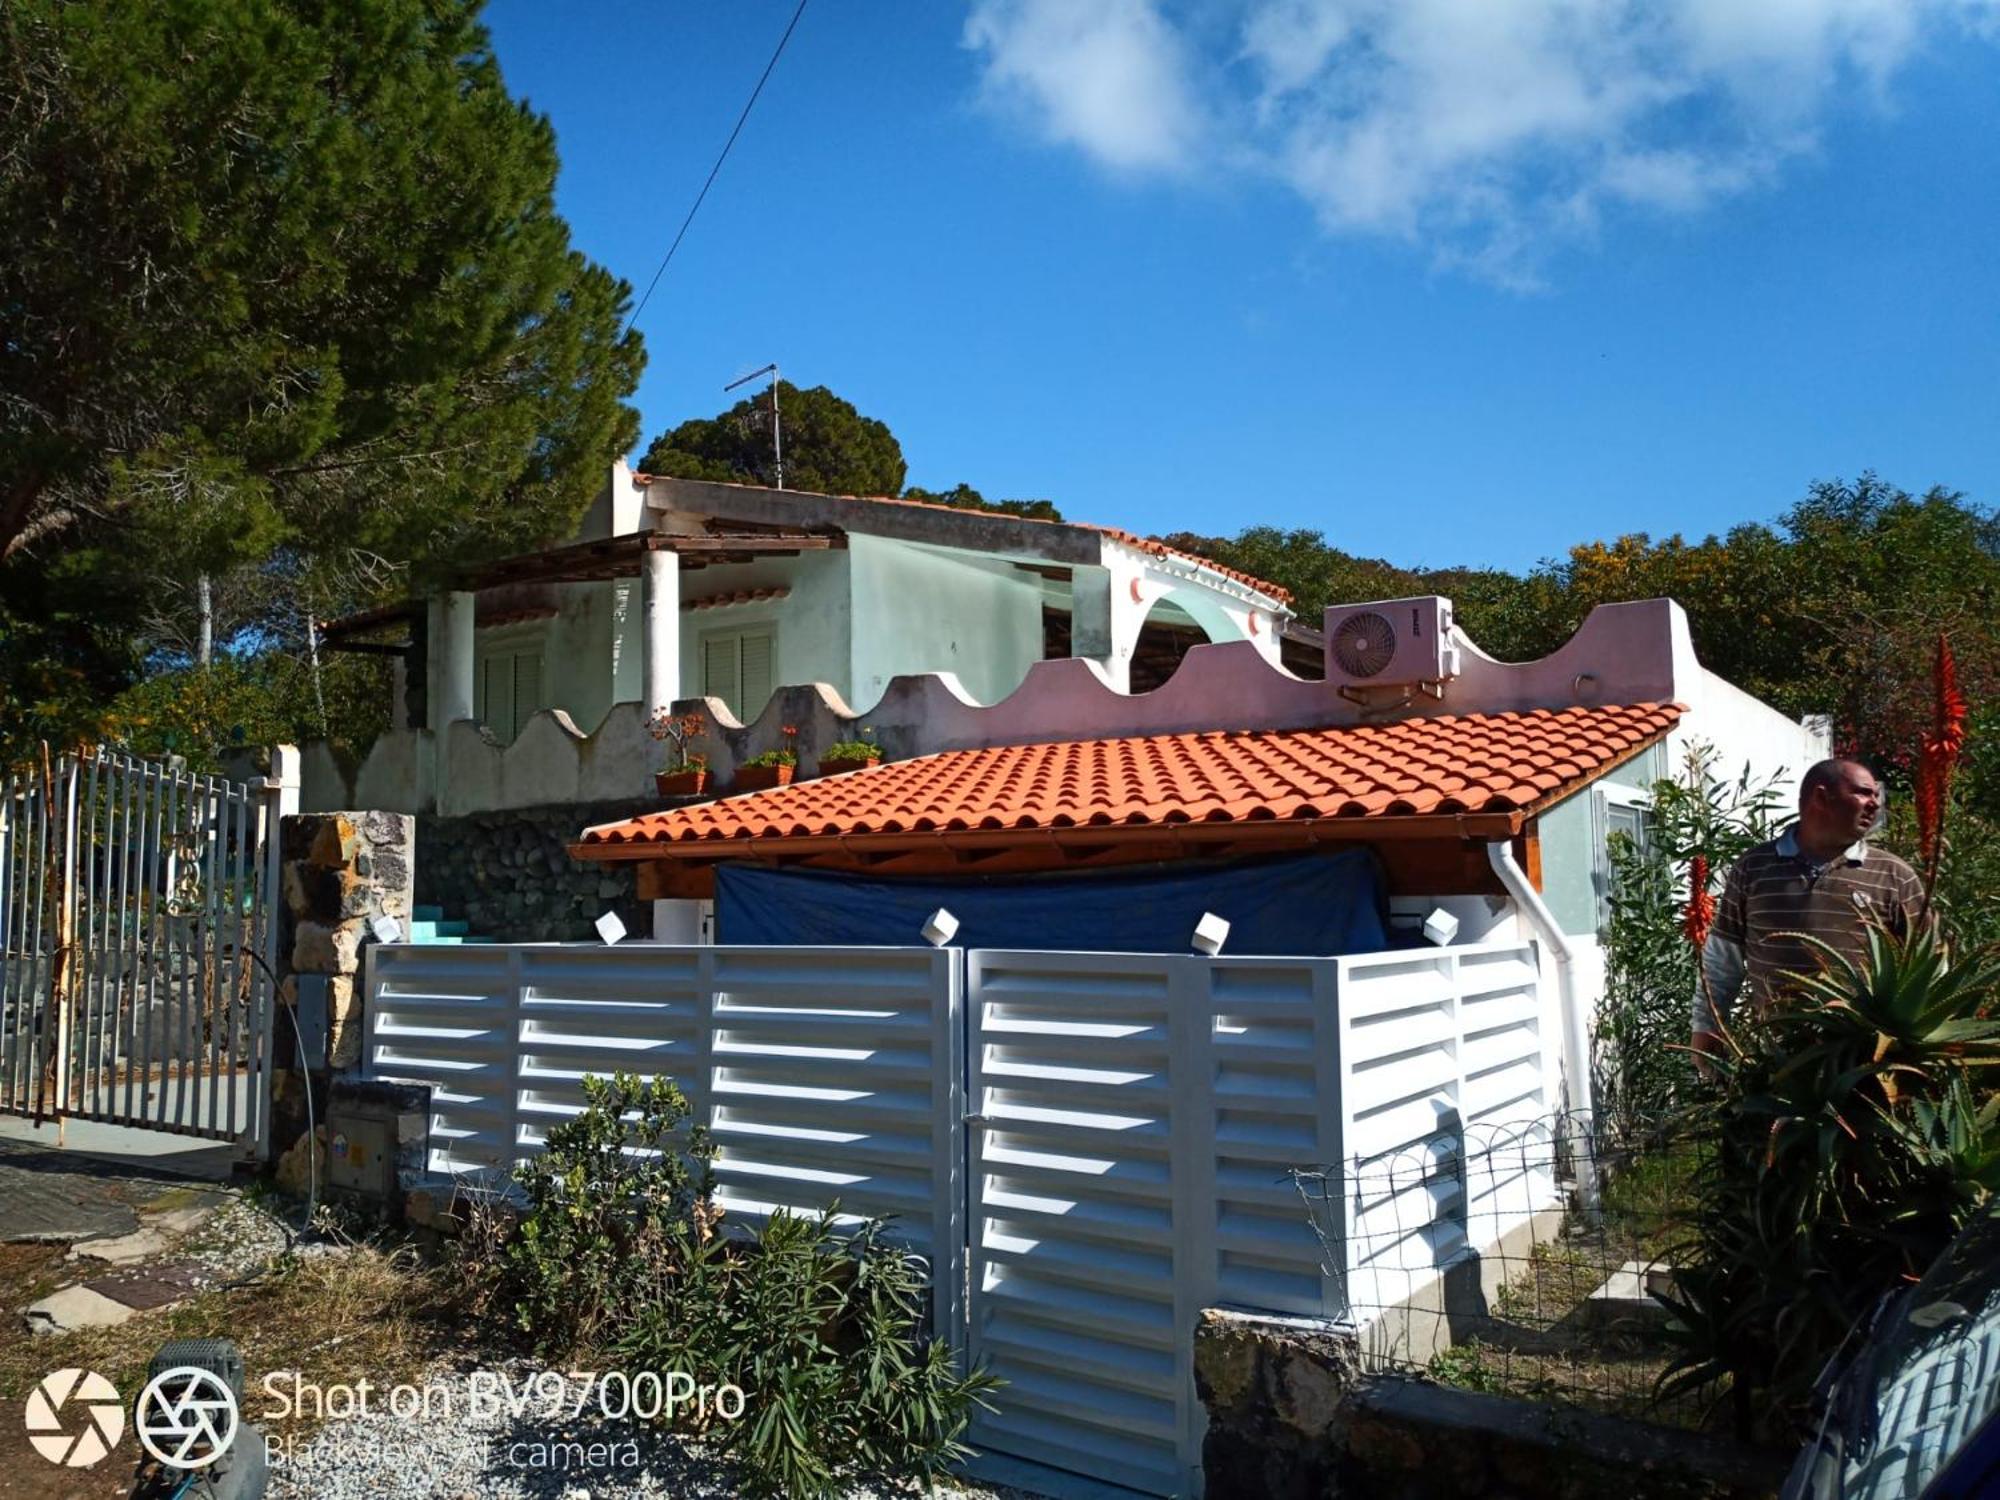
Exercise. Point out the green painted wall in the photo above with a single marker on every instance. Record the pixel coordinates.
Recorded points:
(1572, 853)
(917, 610)
(812, 624)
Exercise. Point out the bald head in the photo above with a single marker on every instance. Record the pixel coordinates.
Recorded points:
(1839, 801)
(1830, 773)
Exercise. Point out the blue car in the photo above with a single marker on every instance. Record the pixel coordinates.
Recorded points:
(1915, 1411)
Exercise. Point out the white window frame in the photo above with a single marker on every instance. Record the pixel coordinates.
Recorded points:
(1605, 796)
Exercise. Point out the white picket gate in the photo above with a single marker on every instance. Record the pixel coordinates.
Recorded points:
(1090, 1148)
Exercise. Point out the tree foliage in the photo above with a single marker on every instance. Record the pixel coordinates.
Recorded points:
(279, 276)
(830, 448)
(1834, 609)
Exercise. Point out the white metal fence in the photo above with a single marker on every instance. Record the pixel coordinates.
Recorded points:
(1090, 1147)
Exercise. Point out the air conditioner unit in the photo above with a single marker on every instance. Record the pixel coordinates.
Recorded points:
(1391, 643)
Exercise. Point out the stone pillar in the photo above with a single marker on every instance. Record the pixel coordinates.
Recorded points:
(663, 632)
(1090, 614)
(338, 873)
(451, 652)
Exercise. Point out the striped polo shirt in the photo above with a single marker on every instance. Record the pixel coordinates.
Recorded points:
(1776, 897)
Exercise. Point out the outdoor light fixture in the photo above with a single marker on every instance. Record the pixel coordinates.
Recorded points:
(940, 929)
(1441, 927)
(610, 928)
(1210, 933)
(386, 929)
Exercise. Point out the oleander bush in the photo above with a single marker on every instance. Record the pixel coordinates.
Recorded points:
(620, 1250)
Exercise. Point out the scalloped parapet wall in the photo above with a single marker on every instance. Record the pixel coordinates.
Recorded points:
(1623, 653)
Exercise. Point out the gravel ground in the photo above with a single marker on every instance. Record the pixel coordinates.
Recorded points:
(490, 1455)
(242, 1236)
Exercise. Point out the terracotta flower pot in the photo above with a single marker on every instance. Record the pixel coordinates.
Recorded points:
(835, 765)
(760, 778)
(687, 782)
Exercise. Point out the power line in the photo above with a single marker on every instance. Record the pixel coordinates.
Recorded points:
(714, 170)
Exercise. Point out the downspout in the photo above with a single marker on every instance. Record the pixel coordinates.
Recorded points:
(1576, 1045)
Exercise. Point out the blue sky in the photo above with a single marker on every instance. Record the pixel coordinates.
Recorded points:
(1449, 280)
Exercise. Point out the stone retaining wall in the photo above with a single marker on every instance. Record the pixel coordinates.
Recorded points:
(1292, 1415)
(509, 874)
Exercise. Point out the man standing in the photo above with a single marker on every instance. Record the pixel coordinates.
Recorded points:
(1817, 879)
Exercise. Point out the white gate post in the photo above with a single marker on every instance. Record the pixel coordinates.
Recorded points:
(280, 795)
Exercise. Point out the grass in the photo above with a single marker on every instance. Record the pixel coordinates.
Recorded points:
(1536, 1344)
(362, 1310)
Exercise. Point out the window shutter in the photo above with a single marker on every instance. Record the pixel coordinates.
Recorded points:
(498, 714)
(718, 672)
(527, 691)
(757, 673)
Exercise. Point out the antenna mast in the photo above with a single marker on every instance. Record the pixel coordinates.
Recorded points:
(777, 432)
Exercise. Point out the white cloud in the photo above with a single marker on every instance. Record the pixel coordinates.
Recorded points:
(1107, 76)
(1488, 130)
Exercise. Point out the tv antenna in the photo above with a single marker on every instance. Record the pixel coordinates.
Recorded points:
(777, 433)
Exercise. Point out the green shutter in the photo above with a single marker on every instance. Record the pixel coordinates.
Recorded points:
(757, 670)
(527, 690)
(719, 677)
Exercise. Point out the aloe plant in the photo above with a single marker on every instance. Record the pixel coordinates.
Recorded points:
(1855, 1134)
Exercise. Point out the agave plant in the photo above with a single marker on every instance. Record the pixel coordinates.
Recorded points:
(1852, 1142)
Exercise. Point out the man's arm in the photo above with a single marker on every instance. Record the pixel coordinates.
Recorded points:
(1722, 971)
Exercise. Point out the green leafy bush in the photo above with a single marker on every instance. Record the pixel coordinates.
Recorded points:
(822, 1330)
(1850, 1144)
(609, 1195)
(1651, 970)
(620, 1250)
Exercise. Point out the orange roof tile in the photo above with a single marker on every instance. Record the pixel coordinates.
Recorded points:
(1465, 764)
(1160, 549)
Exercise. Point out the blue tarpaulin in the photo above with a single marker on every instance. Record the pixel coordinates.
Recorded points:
(1305, 905)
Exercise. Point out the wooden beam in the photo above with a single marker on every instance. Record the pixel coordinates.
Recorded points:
(1179, 839)
(619, 556)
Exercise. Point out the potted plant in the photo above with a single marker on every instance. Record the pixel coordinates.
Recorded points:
(685, 771)
(851, 755)
(772, 768)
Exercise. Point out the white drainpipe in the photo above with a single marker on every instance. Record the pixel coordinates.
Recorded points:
(1576, 1043)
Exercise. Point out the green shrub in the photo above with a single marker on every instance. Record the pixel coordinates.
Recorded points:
(1850, 1145)
(822, 1330)
(609, 1195)
(1651, 971)
(619, 1250)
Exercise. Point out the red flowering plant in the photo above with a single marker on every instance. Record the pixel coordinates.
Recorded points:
(681, 731)
(1938, 754)
(785, 755)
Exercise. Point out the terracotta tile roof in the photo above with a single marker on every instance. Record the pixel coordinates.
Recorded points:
(1131, 539)
(1160, 549)
(1468, 764)
(741, 596)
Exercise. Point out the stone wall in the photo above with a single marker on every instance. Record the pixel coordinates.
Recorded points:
(1292, 1414)
(510, 875)
(339, 872)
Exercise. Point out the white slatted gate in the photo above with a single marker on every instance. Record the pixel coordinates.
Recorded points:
(1091, 1148)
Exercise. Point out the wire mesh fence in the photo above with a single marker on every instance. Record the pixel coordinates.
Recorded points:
(1523, 1259)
